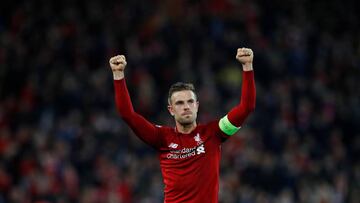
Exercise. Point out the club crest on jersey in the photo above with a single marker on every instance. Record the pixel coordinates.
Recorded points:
(197, 139)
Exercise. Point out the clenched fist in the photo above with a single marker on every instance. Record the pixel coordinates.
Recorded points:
(245, 57)
(118, 64)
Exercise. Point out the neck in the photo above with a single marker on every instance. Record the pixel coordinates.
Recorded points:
(185, 129)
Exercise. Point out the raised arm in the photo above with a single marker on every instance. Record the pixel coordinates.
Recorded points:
(232, 122)
(145, 130)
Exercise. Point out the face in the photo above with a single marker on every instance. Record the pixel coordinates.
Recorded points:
(184, 107)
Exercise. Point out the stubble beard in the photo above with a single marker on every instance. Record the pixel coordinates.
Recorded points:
(187, 121)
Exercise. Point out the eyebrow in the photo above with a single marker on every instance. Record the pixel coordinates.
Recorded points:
(182, 101)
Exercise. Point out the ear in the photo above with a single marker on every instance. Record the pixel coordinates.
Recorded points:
(170, 109)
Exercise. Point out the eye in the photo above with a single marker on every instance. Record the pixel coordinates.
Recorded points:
(179, 103)
(191, 101)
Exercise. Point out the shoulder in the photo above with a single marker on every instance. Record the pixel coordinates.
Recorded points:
(212, 125)
(209, 128)
(165, 134)
(162, 127)
(212, 128)
(164, 130)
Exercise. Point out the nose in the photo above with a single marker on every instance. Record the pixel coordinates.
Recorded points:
(186, 106)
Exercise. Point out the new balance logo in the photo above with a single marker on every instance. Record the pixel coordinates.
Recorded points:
(173, 145)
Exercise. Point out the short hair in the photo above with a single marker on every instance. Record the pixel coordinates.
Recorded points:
(180, 86)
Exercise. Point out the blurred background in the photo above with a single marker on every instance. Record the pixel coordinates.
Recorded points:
(61, 139)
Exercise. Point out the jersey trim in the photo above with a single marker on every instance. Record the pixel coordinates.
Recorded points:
(227, 127)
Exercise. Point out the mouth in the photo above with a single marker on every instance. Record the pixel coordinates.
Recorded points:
(186, 114)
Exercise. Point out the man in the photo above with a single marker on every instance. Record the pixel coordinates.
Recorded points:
(189, 153)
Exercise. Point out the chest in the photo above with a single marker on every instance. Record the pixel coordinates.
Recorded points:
(181, 147)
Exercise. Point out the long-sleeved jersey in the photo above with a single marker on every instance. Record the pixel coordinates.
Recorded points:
(189, 162)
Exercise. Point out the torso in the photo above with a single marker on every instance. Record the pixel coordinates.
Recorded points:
(190, 163)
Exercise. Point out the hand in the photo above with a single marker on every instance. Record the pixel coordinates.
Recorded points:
(118, 64)
(245, 57)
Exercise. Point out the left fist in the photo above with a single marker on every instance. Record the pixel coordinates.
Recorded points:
(245, 56)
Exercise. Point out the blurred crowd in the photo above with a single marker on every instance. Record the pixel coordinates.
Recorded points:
(61, 139)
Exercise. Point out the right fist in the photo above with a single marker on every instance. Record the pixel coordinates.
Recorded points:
(117, 63)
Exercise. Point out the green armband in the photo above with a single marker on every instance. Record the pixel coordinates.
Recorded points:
(227, 127)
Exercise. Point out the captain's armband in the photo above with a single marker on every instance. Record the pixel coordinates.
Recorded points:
(227, 127)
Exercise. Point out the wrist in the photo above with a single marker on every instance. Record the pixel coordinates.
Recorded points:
(247, 67)
(118, 75)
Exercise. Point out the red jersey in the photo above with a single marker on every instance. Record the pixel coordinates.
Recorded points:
(189, 162)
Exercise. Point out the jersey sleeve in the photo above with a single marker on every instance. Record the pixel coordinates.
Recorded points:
(232, 121)
(144, 129)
